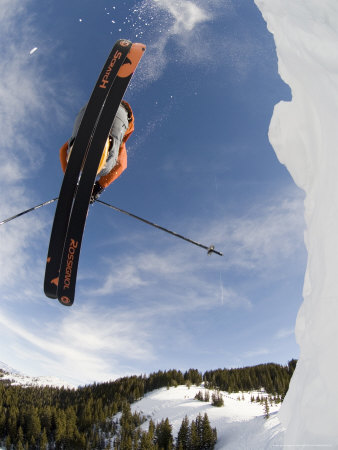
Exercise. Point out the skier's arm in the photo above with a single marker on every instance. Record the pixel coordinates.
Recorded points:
(116, 171)
(63, 156)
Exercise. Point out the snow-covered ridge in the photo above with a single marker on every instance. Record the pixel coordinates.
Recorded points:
(304, 135)
(19, 379)
(240, 423)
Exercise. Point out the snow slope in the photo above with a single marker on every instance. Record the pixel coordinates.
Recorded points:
(304, 134)
(240, 424)
(17, 378)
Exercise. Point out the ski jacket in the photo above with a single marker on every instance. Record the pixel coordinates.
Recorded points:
(121, 163)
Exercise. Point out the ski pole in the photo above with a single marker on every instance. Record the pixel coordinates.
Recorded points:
(28, 210)
(210, 249)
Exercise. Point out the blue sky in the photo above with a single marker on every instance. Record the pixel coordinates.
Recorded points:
(199, 162)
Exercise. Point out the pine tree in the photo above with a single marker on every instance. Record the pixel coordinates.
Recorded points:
(8, 443)
(217, 399)
(12, 419)
(266, 408)
(60, 426)
(19, 445)
(33, 425)
(71, 427)
(146, 442)
(194, 440)
(163, 435)
(183, 435)
(199, 396)
(20, 436)
(46, 419)
(199, 426)
(206, 396)
(209, 435)
(2, 422)
(44, 440)
(151, 429)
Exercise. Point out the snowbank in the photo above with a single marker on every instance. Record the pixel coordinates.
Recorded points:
(304, 134)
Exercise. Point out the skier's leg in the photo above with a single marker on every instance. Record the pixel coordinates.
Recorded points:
(117, 131)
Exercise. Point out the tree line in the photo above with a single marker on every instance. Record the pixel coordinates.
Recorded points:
(274, 378)
(60, 418)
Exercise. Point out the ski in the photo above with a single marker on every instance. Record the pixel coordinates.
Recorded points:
(77, 220)
(68, 189)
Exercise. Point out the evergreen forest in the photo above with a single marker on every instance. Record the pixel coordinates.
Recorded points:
(35, 417)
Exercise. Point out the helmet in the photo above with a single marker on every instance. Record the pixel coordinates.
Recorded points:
(104, 156)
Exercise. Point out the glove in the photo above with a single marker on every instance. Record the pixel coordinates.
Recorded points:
(97, 191)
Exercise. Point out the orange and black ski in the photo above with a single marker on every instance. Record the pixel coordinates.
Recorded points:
(80, 148)
(77, 220)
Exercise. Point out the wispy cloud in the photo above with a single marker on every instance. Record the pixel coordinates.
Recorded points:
(255, 353)
(26, 95)
(90, 345)
(264, 238)
(177, 272)
(257, 245)
(284, 333)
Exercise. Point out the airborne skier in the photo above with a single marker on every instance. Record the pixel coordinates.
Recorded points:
(114, 156)
(93, 156)
(83, 167)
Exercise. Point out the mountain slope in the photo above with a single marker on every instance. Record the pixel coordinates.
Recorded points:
(240, 423)
(15, 377)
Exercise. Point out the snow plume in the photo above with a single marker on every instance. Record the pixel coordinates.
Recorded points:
(174, 19)
(304, 134)
(186, 14)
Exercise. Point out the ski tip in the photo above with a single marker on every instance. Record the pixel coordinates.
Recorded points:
(141, 47)
(133, 58)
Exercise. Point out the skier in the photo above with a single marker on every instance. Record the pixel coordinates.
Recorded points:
(114, 157)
